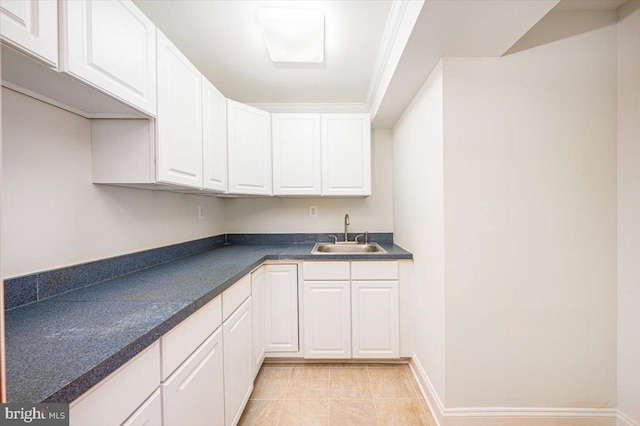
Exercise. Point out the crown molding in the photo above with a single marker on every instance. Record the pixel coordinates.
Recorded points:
(402, 18)
(346, 107)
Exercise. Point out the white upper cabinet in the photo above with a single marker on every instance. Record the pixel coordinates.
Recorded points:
(296, 154)
(214, 132)
(179, 123)
(111, 45)
(346, 154)
(249, 149)
(31, 27)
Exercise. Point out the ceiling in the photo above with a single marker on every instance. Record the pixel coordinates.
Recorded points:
(222, 38)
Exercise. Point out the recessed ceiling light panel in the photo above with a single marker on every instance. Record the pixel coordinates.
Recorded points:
(293, 35)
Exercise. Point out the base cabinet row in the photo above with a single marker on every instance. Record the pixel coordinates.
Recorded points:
(202, 371)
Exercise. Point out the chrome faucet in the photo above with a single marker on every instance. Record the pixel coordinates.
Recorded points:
(346, 232)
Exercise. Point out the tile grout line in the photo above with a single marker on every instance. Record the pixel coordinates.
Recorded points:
(375, 406)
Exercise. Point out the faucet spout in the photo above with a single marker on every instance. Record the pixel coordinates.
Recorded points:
(346, 224)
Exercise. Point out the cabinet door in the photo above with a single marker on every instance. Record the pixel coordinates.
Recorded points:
(111, 45)
(327, 319)
(31, 27)
(238, 362)
(296, 154)
(346, 154)
(375, 319)
(249, 145)
(194, 394)
(214, 137)
(258, 313)
(149, 413)
(179, 123)
(282, 308)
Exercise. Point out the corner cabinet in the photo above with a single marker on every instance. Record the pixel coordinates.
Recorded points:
(110, 45)
(281, 327)
(346, 154)
(214, 137)
(249, 149)
(179, 124)
(32, 28)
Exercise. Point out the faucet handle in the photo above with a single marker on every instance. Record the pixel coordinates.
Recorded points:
(358, 236)
(335, 239)
(366, 237)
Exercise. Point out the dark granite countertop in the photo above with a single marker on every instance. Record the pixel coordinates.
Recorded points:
(60, 347)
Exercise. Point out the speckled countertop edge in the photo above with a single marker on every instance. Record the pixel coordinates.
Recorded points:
(133, 289)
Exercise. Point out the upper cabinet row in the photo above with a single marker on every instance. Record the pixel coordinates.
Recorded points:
(108, 46)
(196, 139)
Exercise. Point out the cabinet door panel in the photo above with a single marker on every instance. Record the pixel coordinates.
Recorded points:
(31, 26)
(327, 319)
(258, 313)
(214, 137)
(296, 154)
(179, 117)
(111, 45)
(282, 308)
(238, 362)
(375, 319)
(194, 394)
(249, 148)
(346, 154)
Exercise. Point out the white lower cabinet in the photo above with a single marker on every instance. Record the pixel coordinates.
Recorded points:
(238, 362)
(258, 317)
(194, 394)
(327, 319)
(374, 319)
(149, 413)
(281, 285)
(351, 310)
(116, 398)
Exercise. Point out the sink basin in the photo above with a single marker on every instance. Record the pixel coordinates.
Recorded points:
(348, 248)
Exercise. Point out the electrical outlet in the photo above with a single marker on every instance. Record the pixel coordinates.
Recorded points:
(313, 211)
(200, 212)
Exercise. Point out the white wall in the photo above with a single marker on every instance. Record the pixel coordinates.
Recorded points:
(287, 215)
(53, 216)
(530, 224)
(629, 210)
(419, 221)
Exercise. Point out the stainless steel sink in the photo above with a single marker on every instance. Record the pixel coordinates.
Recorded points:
(347, 248)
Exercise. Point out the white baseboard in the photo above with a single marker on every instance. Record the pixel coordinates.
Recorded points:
(510, 416)
(428, 391)
(624, 420)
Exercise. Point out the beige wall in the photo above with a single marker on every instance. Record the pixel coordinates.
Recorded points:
(284, 215)
(529, 199)
(629, 210)
(530, 225)
(53, 216)
(419, 221)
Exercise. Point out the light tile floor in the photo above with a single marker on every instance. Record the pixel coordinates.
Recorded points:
(335, 394)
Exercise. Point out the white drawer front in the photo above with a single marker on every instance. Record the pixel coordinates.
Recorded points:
(233, 297)
(325, 270)
(114, 399)
(180, 342)
(374, 270)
